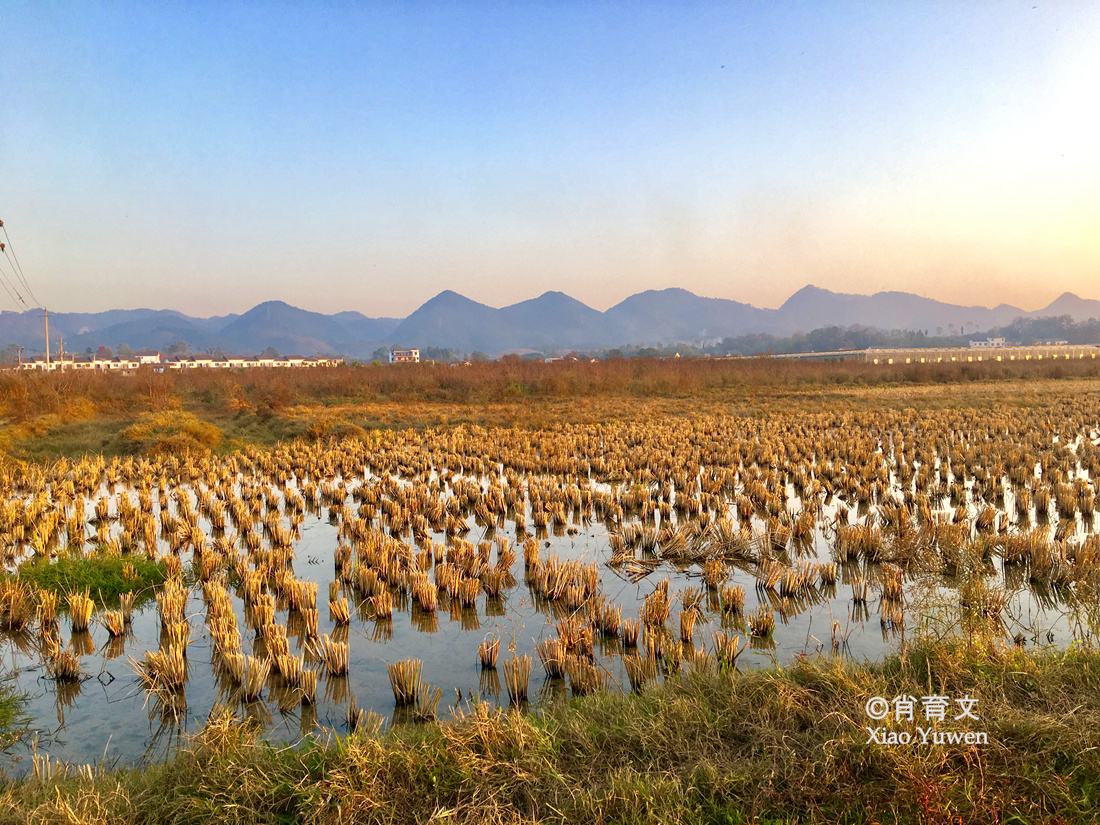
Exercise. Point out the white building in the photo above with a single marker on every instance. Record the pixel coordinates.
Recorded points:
(988, 343)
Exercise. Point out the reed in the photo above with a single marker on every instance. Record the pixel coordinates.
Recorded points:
(687, 624)
(427, 703)
(859, 591)
(364, 722)
(173, 567)
(290, 668)
(517, 676)
(172, 601)
(761, 622)
(62, 665)
(255, 677)
(405, 681)
(487, 652)
(382, 604)
(628, 633)
(17, 607)
(727, 650)
(309, 625)
(176, 635)
(836, 637)
(531, 557)
(732, 600)
(427, 595)
(334, 655)
(715, 573)
(552, 653)
(232, 664)
(584, 676)
(655, 609)
(80, 611)
(640, 671)
(276, 641)
(47, 610)
(162, 669)
(892, 583)
(307, 686)
(339, 612)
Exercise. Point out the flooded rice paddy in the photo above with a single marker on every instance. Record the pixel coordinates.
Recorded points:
(315, 585)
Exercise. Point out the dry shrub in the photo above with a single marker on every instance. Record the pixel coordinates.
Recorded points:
(331, 425)
(171, 432)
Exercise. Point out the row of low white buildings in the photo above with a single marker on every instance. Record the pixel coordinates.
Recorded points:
(159, 363)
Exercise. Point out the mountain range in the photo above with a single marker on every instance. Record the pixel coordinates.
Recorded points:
(553, 321)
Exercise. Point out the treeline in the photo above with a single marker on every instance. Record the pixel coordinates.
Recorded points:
(836, 339)
(1023, 331)
(1058, 328)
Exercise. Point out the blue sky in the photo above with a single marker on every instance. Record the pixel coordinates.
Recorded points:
(207, 156)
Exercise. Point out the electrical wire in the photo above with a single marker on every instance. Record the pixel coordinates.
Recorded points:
(9, 250)
(10, 288)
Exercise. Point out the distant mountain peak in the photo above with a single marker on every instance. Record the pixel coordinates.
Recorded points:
(448, 298)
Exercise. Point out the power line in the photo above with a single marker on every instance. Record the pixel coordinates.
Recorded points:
(10, 288)
(17, 267)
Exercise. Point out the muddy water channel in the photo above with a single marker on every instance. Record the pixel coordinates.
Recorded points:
(308, 585)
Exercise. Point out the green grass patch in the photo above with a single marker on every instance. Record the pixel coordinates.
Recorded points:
(105, 577)
(96, 437)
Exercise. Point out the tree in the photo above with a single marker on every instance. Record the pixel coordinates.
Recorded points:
(478, 355)
(444, 355)
(9, 355)
(270, 352)
(126, 351)
(103, 353)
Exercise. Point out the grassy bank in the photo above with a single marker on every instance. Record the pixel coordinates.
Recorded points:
(783, 745)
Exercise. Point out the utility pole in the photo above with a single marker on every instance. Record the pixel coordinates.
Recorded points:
(61, 353)
(20, 353)
(46, 318)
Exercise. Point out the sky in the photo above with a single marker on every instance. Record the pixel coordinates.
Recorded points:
(205, 157)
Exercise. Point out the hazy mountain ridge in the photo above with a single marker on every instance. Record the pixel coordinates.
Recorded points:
(813, 307)
(552, 321)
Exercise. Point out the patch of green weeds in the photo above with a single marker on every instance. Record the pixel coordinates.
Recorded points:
(105, 577)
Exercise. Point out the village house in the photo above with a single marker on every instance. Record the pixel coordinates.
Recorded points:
(159, 363)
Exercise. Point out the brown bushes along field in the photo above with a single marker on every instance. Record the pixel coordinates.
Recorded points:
(47, 415)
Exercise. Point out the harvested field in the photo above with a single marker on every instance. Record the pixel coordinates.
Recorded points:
(700, 535)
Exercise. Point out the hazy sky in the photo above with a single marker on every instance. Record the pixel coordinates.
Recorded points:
(207, 156)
